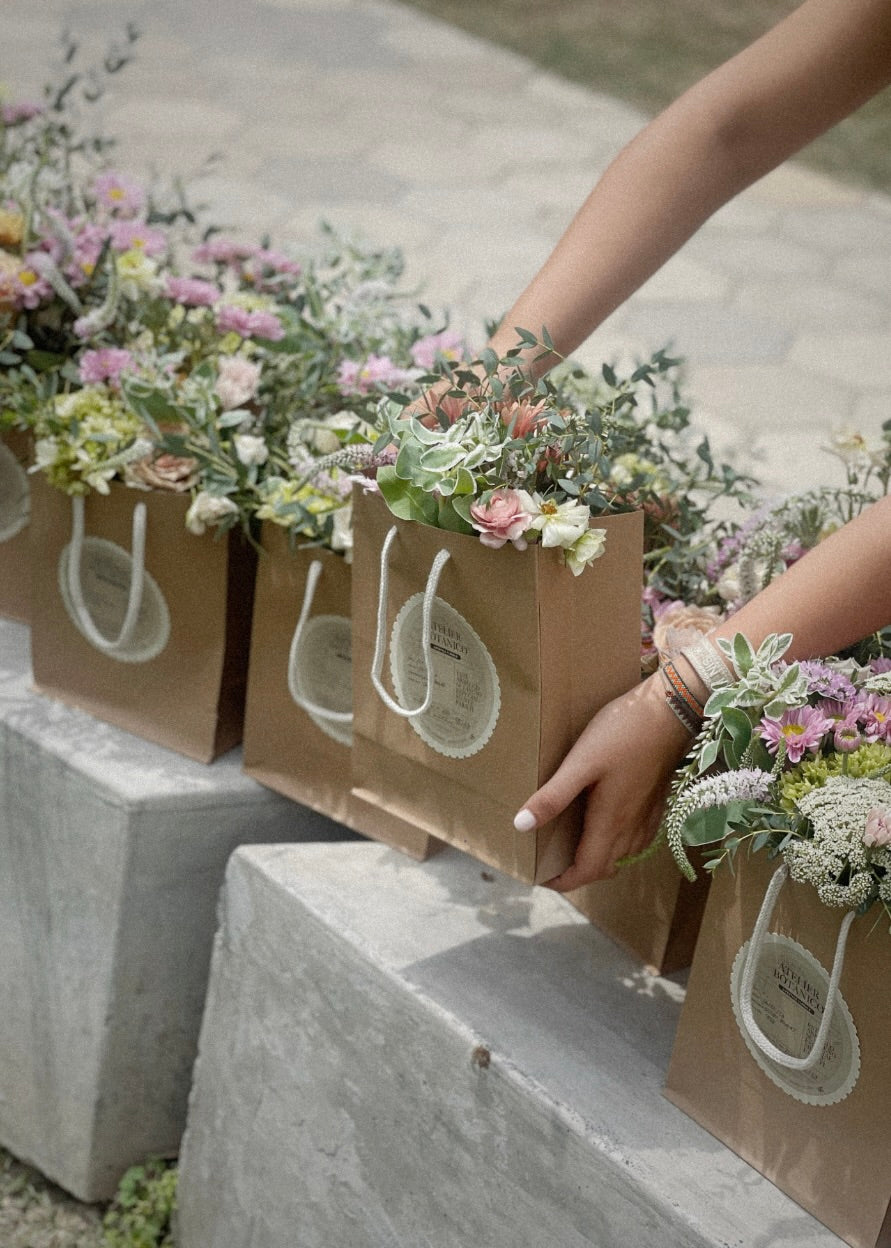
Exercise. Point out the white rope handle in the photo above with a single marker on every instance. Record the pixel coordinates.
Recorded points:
(311, 708)
(757, 1036)
(137, 579)
(377, 662)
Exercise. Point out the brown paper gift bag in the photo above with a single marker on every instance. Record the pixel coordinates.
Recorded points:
(298, 719)
(819, 1133)
(138, 621)
(650, 909)
(521, 654)
(15, 507)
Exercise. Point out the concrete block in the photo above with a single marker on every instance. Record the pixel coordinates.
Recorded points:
(112, 852)
(402, 1055)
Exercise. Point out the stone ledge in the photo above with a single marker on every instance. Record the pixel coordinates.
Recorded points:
(397, 1055)
(112, 852)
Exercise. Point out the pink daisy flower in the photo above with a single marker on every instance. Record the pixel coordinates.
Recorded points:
(119, 194)
(126, 235)
(846, 735)
(874, 712)
(30, 290)
(447, 345)
(800, 729)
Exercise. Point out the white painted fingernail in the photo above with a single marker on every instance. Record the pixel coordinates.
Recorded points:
(524, 820)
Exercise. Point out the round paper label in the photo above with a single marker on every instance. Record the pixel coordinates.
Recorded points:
(466, 690)
(322, 672)
(788, 995)
(15, 497)
(105, 574)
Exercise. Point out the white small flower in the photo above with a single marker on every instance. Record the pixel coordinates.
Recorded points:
(250, 449)
(342, 532)
(590, 546)
(208, 509)
(560, 524)
(45, 451)
(137, 272)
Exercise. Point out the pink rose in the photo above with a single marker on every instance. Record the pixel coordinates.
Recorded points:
(502, 519)
(877, 832)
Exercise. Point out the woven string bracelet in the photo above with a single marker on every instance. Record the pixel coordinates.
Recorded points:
(707, 664)
(681, 701)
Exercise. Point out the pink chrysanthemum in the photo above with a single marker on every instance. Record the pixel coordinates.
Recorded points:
(264, 264)
(846, 736)
(15, 114)
(222, 251)
(193, 292)
(129, 235)
(377, 373)
(105, 364)
(232, 319)
(30, 290)
(874, 713)
(800, 729)
(447, 345)
(121, 195)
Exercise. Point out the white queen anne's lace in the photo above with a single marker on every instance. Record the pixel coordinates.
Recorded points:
(837, 812)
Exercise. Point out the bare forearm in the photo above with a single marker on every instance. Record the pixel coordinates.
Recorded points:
(838, 593)
(743, 120)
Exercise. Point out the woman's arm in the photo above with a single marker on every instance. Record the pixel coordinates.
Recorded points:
(837, 593)
(807, 73)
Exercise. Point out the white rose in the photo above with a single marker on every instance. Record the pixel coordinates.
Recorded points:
(237, 381)
(250, 449)
(208, 509)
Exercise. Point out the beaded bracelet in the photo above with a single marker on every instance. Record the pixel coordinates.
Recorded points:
(707, 664)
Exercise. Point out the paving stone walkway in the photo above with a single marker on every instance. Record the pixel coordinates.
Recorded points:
(409, 132)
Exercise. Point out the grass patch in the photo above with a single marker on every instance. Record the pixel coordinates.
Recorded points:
(648, 52)
(34, 1213)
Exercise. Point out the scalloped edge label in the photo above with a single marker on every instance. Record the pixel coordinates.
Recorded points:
(787, 1000)
(467, 692)
(15, 495)
(106, 570)
(322, 672)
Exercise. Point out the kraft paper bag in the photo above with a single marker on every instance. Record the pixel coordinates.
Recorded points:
(15, 507)
(820, 1133)
(298, 720)
(650, 909)
(155, 642)
(521, 654)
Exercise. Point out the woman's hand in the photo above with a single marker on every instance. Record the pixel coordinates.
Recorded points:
(625, 758)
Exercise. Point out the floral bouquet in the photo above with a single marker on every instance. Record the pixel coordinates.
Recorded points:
(514, 461)
(720, 566)
(804, 752)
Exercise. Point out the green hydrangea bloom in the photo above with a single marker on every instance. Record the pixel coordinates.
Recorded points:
(812, 773)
